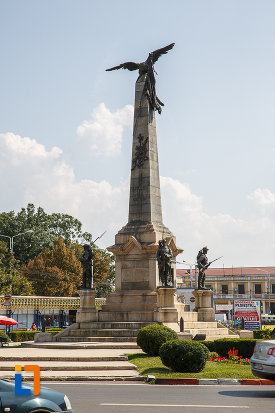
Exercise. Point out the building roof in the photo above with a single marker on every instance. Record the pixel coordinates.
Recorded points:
(230, 271)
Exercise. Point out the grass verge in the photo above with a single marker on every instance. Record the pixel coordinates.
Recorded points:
(153, 365)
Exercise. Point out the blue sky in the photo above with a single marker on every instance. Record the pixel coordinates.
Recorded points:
(65, 123)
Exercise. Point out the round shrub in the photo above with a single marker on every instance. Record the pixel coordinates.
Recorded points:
(150, 338)
(184, 355)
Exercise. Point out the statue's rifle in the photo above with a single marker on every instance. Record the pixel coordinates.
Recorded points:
(100, 236)
(214, 260)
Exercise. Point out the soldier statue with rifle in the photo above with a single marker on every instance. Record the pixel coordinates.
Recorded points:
(203, 264)
(164, 258)
(87, 265)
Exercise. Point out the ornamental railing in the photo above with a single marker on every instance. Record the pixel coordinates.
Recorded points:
(43, 303)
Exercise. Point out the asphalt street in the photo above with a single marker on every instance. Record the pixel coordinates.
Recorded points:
(136, 398)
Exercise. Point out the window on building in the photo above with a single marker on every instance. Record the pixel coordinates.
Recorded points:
(224, 289)
(272, 288)
(241, 289)
(258, 288)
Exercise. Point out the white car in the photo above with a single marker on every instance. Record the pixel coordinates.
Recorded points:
(263, 359)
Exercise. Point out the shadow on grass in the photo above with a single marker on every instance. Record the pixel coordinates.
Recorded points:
(137, 356)
(156, 370)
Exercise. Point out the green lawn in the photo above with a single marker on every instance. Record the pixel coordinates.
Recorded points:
(153, 365)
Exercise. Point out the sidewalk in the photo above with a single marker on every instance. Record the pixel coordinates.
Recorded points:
(72, 362)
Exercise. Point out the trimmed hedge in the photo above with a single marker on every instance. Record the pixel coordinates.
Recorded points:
(54, 330)
(245, 347)
(150, 338)
(22, 335)
(262, 334)
(184, 355)
(210, 345)
(4, 335)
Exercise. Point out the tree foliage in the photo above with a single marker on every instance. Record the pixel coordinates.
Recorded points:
(45, 229)
(55, 271)
(58, 272)
(11, 281)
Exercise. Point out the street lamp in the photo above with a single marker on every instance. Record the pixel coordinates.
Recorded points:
(17, 235)
(191, 274)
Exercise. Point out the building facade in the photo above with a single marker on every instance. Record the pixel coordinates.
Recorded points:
(56, 311)
(229, 284)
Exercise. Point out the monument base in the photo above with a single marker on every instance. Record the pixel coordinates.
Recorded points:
(87, 311)
(166, 311)
(203, 305)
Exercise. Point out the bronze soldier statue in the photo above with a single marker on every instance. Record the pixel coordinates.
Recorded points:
(87, 265)
(203, 264)
(164, 257)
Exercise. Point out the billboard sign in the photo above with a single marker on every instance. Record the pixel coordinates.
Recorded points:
(250, 311)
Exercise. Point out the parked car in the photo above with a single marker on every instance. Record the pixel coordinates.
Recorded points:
(263, 359)
(47, 400)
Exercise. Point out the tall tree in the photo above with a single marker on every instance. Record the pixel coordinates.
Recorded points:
(55, 271)
(45, 228)
(11, 281)
(58, 272)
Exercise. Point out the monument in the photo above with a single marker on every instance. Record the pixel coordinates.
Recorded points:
(87, 311)
(136, 244)
(203, 295)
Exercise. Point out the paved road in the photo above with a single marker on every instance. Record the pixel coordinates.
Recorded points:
(137, 398)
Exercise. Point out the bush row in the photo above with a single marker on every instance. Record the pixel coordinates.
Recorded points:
(151, 338)
(22, 335)
(221, 346)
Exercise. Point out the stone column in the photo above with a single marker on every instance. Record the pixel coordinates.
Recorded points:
(87, 310)
(166, 311)
(203, 305)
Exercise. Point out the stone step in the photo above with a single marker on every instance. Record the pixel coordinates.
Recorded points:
(73, 365)
(97, 339)
(104, 333)
(219, 332)
(200, 324)
(78, 375)
(135, 325)
(87, 345)
(38, 359)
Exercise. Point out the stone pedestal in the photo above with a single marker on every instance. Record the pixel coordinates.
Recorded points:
(87, 311)
(166, 311)
(203, 305)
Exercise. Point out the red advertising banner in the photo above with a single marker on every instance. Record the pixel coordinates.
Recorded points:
(248, 310)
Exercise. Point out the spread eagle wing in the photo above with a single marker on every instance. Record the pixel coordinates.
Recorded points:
(159, 52)
(127, 65)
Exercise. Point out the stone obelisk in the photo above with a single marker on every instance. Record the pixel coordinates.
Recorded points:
(136, 244)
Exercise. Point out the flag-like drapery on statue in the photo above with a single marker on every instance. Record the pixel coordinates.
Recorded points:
(148, 67)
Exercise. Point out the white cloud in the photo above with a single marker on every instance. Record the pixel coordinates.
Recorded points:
(262, 197)
(249, 241)
(31, 173)
(45, 179)
(104, 131)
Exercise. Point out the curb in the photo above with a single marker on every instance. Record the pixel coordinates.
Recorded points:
(221, 381)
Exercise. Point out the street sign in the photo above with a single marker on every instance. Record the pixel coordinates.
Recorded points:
(248, 310)
(192, 299)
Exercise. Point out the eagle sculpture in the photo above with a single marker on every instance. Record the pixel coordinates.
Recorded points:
(147, 67)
